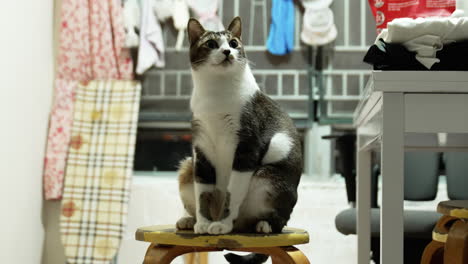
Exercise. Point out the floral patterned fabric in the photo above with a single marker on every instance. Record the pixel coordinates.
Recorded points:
(58, 138)
(91, 44)
(92, 38)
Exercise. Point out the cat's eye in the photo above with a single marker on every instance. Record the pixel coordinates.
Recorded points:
(212, 44)
(233, 43)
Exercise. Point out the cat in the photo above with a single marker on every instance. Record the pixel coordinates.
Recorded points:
(246, 159)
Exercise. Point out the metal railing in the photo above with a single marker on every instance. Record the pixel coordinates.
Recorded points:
(172, 83)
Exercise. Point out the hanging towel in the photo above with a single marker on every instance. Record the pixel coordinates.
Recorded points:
(99, 170)
(151, 49)
(281, 38)
(206, 11)
(163, 9)
(180, 16)
(91, 41)
(318, 26)
(132, 22)
(92, 37)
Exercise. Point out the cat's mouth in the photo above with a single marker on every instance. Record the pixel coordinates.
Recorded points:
(227, 61)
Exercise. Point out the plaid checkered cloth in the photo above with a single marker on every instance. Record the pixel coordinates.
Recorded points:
(99, 170)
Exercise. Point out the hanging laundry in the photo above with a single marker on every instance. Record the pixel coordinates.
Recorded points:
(99, 170)
(281, 37)
(91, 41)
(425, 36)
(151, 49)
(132, 22)
(206, 12)
(58, 138)
(163, 9)
(318, 26)
(180, 16)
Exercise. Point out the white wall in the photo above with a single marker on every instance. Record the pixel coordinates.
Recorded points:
(26, 78)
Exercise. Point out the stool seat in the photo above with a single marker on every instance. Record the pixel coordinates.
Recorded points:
(450, 235)
(455, 208)
(169, 235)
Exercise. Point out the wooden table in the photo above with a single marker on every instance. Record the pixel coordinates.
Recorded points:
(401, 111)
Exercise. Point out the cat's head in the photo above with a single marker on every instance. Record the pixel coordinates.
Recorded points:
(217, 52)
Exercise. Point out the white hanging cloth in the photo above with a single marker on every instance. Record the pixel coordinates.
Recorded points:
(151, 49)
(206, 12)
(163, 9)
(180, 16)
(131, 13)
(318, 27)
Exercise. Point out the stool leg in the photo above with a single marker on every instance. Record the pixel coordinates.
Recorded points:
(196, 258)
(456, 247)
(280, 255)
(291, 254)
(433, 253)
(161, 254)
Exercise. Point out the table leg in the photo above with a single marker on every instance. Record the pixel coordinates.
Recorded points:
(391, 214)
(363, 203)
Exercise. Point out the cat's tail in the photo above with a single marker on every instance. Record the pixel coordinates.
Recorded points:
(253, 258)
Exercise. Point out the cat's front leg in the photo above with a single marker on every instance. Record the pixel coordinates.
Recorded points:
(243, 168)
(236, 192)
(204, 185)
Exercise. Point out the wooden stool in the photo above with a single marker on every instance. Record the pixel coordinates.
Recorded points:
(450, 235)
(168, 243)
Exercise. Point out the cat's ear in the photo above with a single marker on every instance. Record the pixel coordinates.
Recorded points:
(236, 27)
(195, 30)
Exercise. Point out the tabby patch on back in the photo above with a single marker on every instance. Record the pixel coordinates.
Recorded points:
(246, 162)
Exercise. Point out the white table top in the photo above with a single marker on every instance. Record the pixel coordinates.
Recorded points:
(409, 82)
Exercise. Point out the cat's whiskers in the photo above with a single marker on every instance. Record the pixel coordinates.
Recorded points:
(199, 61)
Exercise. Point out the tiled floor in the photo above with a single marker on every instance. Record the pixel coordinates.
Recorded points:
(156, 202)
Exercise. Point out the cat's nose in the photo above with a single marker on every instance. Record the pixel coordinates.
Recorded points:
(227, 52)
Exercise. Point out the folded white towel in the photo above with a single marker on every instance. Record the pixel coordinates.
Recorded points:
(425, 36)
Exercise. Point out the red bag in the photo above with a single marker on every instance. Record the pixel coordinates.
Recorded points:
(385, 11)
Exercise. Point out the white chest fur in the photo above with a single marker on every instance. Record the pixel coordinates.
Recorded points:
(217, 102)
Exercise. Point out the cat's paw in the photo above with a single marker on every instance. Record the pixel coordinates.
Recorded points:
(201, 227)
(187, 222)
(263, 227)
(217, 228)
